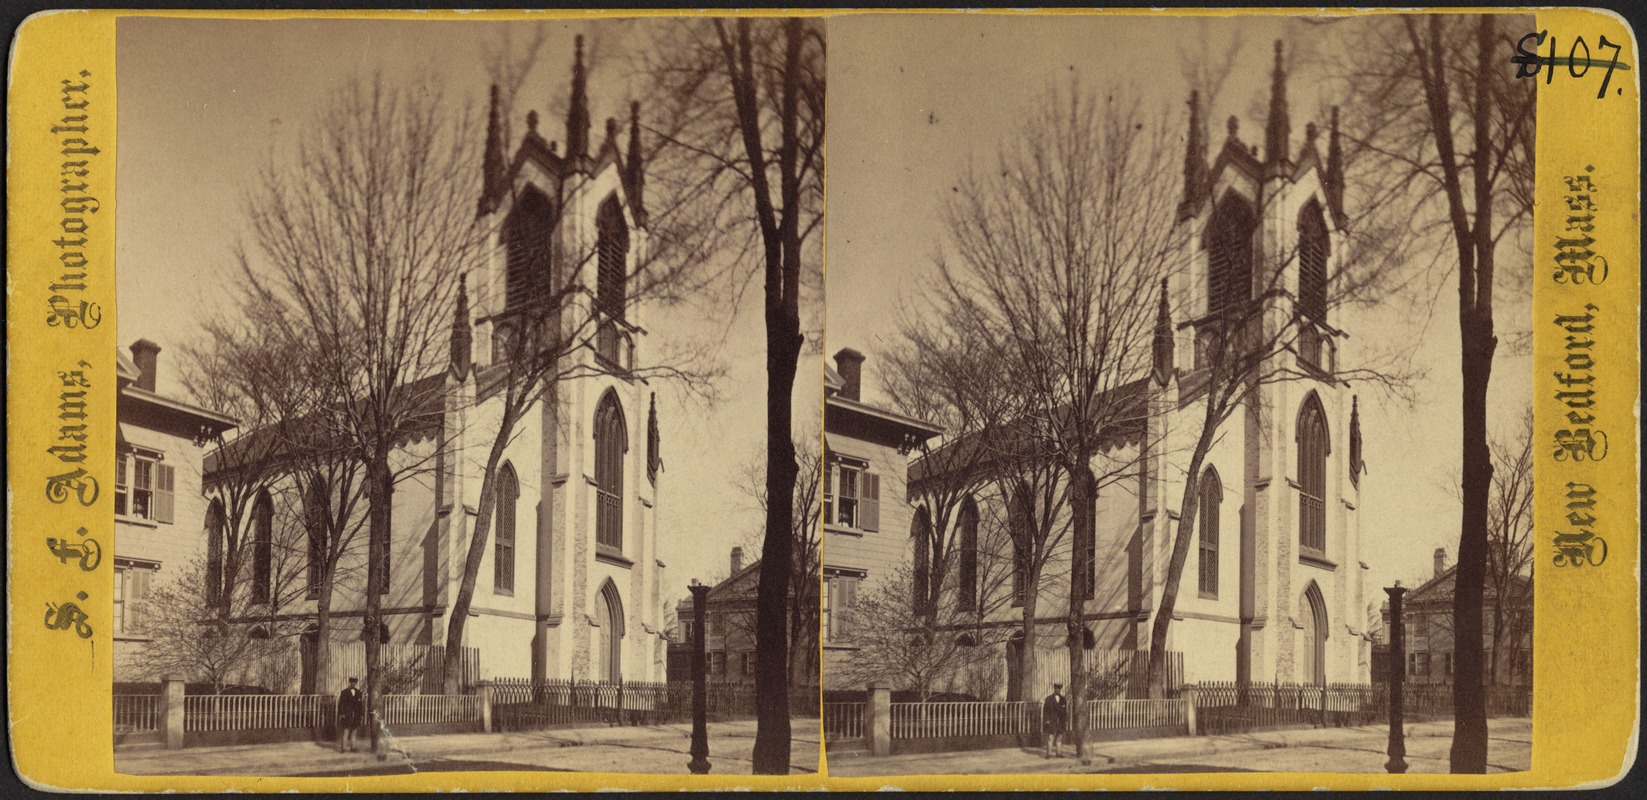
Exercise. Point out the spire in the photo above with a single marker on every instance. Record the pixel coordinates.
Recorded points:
(462, 337)
(1278, 128)
(1195, 161)
(1335, 168)
(491, 165)
(1163, 339)
(577, 114)
(635, 165)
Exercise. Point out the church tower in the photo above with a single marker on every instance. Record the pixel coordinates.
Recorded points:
(1266, 228)
(573, 590)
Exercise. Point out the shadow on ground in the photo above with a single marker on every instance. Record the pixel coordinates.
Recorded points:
(435, 765)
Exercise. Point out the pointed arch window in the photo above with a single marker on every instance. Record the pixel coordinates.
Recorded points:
(1208, 507)
(214, 551)
(1313, 447)
(503, 544)
(921, 532)
(262, 549)
(968, 523)
(1314, 247)
(528, 240)
(611, 444)
(612, 254)
(1229, 254)
(316, 510)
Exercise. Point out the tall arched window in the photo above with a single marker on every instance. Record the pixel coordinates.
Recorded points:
(528, 241)
(968, 523)
(1229, 253)
(214, 551)
(611, 443)
(1312, 476)
(316, 510)
(1019, 527)
(920, 530)
(1313, 613)
(612, 253)
(503, 544)
(262, 549)
(609, 653)
(1208, 506)
(1314, 246)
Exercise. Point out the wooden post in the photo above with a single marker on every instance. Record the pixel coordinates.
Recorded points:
(1190, 696)
(486, 706)
(171, 713)
(878, 719)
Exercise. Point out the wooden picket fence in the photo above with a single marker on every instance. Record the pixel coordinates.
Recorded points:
(243, 712)
(521, 704)
(1023, 718)
(1233, 708)
(1117, 715)
(843, 721)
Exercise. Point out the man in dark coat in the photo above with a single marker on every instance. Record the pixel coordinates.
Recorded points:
(351, 711)
(1054, 719)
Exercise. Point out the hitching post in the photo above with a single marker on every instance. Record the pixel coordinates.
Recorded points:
(700, 724)
(1397, 668)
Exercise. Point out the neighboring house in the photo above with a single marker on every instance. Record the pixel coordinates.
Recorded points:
(1273, 588)
(570, 586)
(729, 635)
(159, 508)
(1427, 620)
(866, 511)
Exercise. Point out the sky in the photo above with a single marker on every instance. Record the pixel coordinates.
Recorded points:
(205, 104)
(914, 101)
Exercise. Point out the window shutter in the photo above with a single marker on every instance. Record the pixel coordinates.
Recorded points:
(163, 493)
(828, 494)
(869, 504)
(137, 590)
(848, 598)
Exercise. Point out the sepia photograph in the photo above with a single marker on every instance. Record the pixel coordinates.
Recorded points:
(468, 400)
(1179, 404)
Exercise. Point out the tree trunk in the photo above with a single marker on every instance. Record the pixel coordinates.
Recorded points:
(323, 632)
(452, 664)
(1083, 499)
(380, 491)
(1469, 750)
(1187, 507)
(1026, 656)
(771, 754)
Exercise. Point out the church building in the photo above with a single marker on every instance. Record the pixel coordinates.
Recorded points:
(1274, 585)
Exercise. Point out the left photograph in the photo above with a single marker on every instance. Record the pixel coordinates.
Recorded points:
(461, 364)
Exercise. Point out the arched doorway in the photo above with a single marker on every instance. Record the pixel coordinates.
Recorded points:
(609, 650)
(1313, 664)
(1014, 666)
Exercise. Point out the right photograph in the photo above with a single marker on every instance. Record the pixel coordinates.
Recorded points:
(1178, 395)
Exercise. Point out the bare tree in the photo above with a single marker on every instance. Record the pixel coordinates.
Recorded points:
(355, 246)
(1510, 548)
(923, 655)
(743, 135)
(1058, 247)
(803, 606)
(1452, 132)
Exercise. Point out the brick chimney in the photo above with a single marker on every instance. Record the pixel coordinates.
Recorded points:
(850, 364)
(146, 354)
(1440, 561)
(737, 560)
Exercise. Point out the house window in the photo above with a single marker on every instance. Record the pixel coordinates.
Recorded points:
(1447, 663)
(840, 596)
(131, 588)
(1212, 496)
(1423, 664)
(717, 663)
(852, 495)
(1313, 248)
(748, 667)
(611, 443)
(144, 488)
(1229, 254)
(262, 549)
(968, 523)
(1312, 477)
(503, 550)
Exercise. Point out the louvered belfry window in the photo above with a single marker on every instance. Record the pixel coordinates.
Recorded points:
(1312, 477)
(528, 240)
(612, 253)
(1314, 246)
(1229, 254)
(611, 443)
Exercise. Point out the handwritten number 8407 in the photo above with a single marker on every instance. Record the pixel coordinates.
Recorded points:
(1578, 64)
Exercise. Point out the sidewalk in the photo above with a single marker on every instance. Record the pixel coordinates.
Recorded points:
(657, 749)
(1348, 750)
